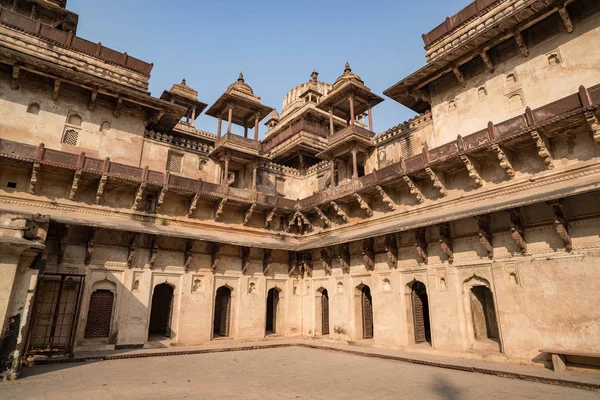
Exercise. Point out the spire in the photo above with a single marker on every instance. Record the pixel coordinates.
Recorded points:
(241, 78)
(347, 69)
(183, 82)
(314, 76)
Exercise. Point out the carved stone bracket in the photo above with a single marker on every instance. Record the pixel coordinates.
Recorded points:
(437, 181)
(93, 98)
(414, 190)
(139, 195)
(473, 170)
(161, 198)
(153, 251)
(363, 204)
(118, 106)
(132, 249)
(219, 210)
(101, 186)
(16, 73)
(489, 64)
(368, 254)
(267, 260)
(64, 241)
(193, 205)
(521, 44)
(543, 148)
(56, 89)
(293, 262)
(391, 249)
(35, 172)
(249, 214)
(504, 161)
(386, 198)
(269, 218)
(344, 257)
(189, 243)
(327, 260)
(592, 120)
(446, 242)
(321, 214)
(561, 224)
(300, 220)
(215, 257)
(459, 76)
(517, 231)
(90, 246)
(421, 244)
(339, 211)
(75, 184)
(307, 264)
(485, 234)
(245, 259)
(566, 18)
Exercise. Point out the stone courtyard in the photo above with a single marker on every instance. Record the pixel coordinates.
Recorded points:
(278, 373)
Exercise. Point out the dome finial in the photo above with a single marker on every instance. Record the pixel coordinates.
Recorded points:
(183, 82)
(241, 78)
(314, 76)
(347, 68)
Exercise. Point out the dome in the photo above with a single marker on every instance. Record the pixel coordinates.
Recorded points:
(346, 76)
(293, 96)
(241, 86)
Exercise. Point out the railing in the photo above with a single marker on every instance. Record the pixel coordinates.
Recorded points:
(293, 129)
(239, 140)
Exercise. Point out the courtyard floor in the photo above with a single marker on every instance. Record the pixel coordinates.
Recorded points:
(276, 373)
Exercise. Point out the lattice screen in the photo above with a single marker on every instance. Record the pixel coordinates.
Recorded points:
(406, 147)
(174, 162)
(71, 136)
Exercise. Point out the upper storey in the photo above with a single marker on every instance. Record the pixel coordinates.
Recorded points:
(49, 12)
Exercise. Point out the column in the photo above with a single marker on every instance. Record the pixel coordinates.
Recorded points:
(245, 131)
(193, 114)
(229, 118)
(331, 121)
(219, 126)
(354, 166)
(332, 169)
(254, 171)
(226, 170)
(370, 119)
(351, 100)
(256, 126)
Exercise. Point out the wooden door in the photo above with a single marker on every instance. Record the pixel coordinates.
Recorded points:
(225, 311)
(325, 313)
(418, 316)
(99, 314)
(367, 311)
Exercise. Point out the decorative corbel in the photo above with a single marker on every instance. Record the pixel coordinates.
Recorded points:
(437, 181)
(561, 224)
(339, 211)
(504, 161)
(93, 98)
(485, 234)
(56, 89)
(75, 184)
(193, 204)
(517, 232)
(344, 257)
(64, 241)
(189, 243)
(35, 171)
(521, 44)
(269, 218)
(420, 94)
(90, 246)
(592, 120)
(446, 242)
(132, 249)
(215, 256)
(386, 198)
(459, 75)
(161, 198)
(413, 189)
(391, 249)
(219, 209)
(153, 251)
(326, 259)
(421, 244)
(245, 259)
(101, 186)
(473, 169)
(293, 261)
(566, 18)
(543, 148)
(363, 204)
(326, 221)
(118, 106)
(267, 260)
(368, 254)
(307, 263)
(301, 220)
(249, 214)
(489, 64)
(16, 73)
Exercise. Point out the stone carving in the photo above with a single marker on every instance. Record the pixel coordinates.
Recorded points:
(131, 250)
(363, 204)
(307, 264)
(269, 218)
(161, 198)
(249, 214)
(219, 210)
(34, 177)
(245, 259)
(592, 120)
(267, 260)
(64, 241)
(521, 44)
(485, 234)
(504, 162)
(517, 232)
(300, 220)
(100, 190)
(90, 246)
(472, 170)
(489, 64)
(138, 196)
(189, 243)
(561, 224)
(339, 211)
(327, 260)
(56, 89)
(216, 256)
(93, 98)
(459, 76)
(391, 250)
(543, 148)
(344, 256)
(16, 72)
(326, 221)
(421, 245)
(75, 184)
(446, 242)
(566, 18)
(414, 190)
(368, 254)
(386, 198)
(119, 105)
(437, 182)
(193, 205)
(153, 251)
(293, 262)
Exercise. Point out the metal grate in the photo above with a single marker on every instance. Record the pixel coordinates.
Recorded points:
(406, 147)
(174, 162)
(71, 136)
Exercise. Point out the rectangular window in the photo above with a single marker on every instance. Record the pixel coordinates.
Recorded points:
(174, 162)
(71, 136)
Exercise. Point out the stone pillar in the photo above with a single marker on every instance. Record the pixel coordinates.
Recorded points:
(331, 121)
(354, 166)
(229, 118)
(245, 131)
(370, 119)
(254, 172)
(193, 114)
(332, 169)
(256, 127)
(219, 126)
(225, 170)
(351, 100)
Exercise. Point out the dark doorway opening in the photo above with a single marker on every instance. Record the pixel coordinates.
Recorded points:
(367, 312)
(420, 303)
(99, 314)
(272, 304)
(222, 312)
(485, 323)
(325, 312)
(162, 309)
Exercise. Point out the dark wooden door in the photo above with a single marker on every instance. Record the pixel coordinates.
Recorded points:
(419, 318)
(225, 311)
(367, 313)
(325, 313)
(99, 314)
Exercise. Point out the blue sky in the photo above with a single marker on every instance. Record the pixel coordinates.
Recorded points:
(276, 44)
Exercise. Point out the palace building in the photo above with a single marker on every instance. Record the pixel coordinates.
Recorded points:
(471, 230)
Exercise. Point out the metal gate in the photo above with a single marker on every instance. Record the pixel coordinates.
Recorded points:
(325, 312)
(55, 311)
(367, 313)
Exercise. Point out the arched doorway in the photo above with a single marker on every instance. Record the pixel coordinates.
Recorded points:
(272, 308)
(367, 312)
(99, 314)
(420, 311)
(483, 312)
(324, 312)
(162, 309)
(222, 312)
